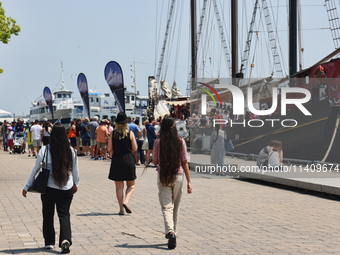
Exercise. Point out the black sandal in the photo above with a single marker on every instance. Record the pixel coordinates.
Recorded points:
(127, 209)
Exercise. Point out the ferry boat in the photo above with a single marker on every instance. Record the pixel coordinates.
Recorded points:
(68, 107)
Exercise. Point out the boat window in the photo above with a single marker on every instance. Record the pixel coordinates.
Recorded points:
(132, 98)
(105, 117)
(64, 95)
(54, 108)
(127, 99)
(59, 95)
(79, 109)
(137, 103)
(97, 100)
(91, 99)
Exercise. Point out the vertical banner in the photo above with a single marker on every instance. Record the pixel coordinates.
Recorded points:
(114, 77)
(48, 98)
(84, 92)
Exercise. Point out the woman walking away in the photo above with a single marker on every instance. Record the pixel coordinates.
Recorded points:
(122, 144)
(140, 141)
(46, 133)
(218, 150)
(170, 156)
(62, 184)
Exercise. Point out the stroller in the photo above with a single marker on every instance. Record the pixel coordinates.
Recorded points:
(18, 142)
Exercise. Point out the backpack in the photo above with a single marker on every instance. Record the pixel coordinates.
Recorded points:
(84, 130)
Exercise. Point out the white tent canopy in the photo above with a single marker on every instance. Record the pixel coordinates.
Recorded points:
(3, 112)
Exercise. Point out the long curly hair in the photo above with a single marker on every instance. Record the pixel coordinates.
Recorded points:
(61, 154)
(170, 151)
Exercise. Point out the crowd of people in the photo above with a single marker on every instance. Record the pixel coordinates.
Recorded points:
(207, 121)
(89, 137)
(34, 135)
(126, 142)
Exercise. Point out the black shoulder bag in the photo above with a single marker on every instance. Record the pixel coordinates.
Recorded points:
(41, 176)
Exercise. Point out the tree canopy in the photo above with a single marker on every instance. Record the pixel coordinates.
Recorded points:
(8, 27)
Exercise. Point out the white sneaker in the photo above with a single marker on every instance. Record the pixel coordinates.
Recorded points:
(65, 246)
(49, 247)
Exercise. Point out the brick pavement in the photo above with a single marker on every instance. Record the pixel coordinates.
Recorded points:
(222, 216)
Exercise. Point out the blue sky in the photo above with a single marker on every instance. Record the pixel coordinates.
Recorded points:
(87, 34)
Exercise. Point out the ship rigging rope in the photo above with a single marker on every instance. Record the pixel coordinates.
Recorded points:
(158, 33)
(178, 40)
(333, 138)
(171, 38)
(220, 55)
(167, 52)
(205, 43)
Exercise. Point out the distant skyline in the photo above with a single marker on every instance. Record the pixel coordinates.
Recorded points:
(85, 35)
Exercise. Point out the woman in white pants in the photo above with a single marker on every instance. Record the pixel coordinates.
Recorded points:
(170, 157)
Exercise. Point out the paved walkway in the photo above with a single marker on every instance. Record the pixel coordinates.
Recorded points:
(222, 216)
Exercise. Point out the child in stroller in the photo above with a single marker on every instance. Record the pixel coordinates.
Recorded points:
(18, 142)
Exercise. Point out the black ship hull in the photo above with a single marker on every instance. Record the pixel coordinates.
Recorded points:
(308, 140)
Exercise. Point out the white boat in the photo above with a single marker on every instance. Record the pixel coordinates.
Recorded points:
(67, 107)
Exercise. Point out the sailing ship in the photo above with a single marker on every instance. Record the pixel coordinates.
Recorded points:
(314, 137)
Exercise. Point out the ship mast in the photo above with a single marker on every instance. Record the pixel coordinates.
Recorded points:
(62, 77)
(292, 39)
(234, 38)
(193, 44)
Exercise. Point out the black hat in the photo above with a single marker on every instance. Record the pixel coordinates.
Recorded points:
(121, 118)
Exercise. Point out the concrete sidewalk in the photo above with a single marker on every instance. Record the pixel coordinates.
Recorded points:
(318, 177)
(222, 216)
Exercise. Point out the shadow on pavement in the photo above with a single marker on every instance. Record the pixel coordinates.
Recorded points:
(29, 251)
(97, 214)
(138, 246)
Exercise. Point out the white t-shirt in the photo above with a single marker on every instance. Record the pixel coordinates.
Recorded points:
(141, 128)
(157, 128)
(274, 159)
(46, 133)
(10, 135)
(36, 129)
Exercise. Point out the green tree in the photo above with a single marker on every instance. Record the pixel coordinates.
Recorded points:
(8, 27)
